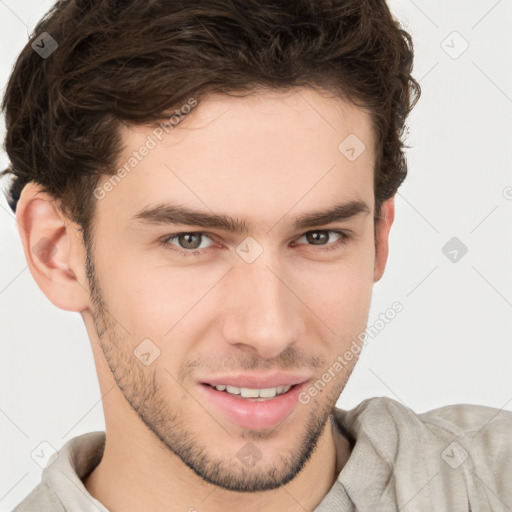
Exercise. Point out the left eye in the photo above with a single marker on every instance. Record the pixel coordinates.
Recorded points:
(190, 244)
(323, 235)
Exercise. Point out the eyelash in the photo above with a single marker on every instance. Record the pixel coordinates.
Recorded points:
(344, 237)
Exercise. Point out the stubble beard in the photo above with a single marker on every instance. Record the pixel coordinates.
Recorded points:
(140, 387)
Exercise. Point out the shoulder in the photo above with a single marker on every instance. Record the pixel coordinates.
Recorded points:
(61, 487)
(455, 451)
(41, 498)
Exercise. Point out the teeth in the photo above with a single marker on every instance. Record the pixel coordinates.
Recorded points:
(253, 393)
(268, 392)
(249, 393)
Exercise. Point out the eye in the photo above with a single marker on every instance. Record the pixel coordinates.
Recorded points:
(320, 237)
(189, 243)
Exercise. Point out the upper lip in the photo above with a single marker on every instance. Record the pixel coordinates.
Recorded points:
(257, 380)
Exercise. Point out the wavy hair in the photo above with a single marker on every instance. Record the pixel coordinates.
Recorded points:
(131, 62)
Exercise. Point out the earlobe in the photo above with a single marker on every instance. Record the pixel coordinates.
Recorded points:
(52, 249)
(382, 229)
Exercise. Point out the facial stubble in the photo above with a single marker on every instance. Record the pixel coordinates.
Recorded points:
(142, 388)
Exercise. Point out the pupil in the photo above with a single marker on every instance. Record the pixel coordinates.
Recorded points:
(187, 237)
(316, 236)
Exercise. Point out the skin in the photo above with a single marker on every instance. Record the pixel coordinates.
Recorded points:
(265, 158)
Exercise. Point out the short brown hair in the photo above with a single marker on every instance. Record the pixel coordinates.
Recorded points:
(131, 62)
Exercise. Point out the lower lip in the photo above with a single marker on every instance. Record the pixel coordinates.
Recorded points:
(253, 414)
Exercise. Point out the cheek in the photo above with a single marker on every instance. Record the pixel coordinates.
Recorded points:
(340, 292)
(157, 301)
(341, 299)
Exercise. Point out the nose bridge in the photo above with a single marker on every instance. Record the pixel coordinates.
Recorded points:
(262, 312)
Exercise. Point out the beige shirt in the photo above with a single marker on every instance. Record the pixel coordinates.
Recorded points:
(455, 458)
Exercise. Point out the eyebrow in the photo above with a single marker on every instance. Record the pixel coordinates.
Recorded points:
(168, 213)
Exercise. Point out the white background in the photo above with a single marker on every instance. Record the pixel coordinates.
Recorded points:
(452, 341)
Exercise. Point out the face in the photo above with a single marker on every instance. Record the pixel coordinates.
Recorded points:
(179, 308)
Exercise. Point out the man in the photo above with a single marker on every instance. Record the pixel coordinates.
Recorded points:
(211, 185)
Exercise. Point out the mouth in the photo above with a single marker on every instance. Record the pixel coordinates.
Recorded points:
(252, 408)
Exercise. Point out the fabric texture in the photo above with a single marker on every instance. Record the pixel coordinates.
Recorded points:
(454, 458)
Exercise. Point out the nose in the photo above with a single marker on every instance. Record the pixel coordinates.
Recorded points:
(262, 314)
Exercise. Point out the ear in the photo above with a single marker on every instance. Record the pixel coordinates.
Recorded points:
(53, 249)
(382, 228)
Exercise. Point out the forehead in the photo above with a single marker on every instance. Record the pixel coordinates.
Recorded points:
(262, 152)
